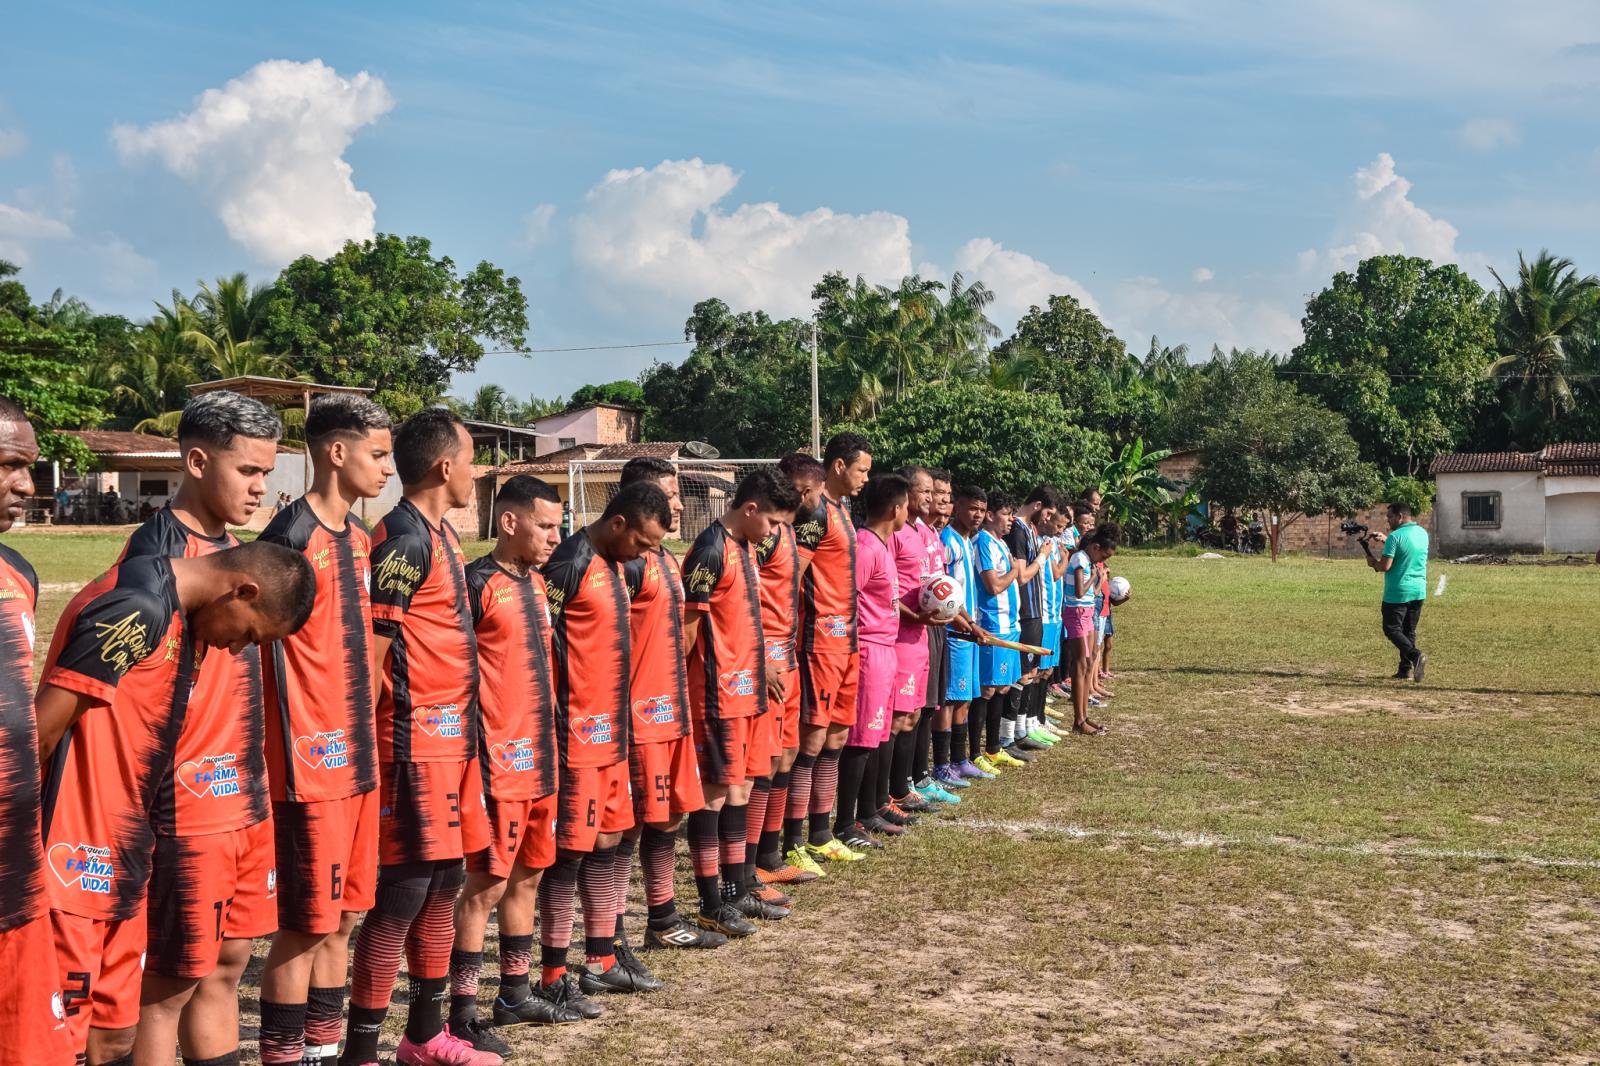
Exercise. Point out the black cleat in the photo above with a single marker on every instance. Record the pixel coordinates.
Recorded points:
(1020, 754)
(592, 982)
(1030, 745)
(681, 934)
(643, 979)
(1418, 667)
(856, 837)
(540, 1006)
(751, 907)
(482, 1037)
(726, 919)
(564, 990)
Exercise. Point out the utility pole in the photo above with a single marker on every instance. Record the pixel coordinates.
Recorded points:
(816, 406)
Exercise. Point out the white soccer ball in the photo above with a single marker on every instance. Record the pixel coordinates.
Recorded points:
(939, 597)
(1121, 589)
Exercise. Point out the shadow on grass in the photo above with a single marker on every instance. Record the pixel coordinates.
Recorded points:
(1348, 681)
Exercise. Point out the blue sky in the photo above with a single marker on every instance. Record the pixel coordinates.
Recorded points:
(1192, 170)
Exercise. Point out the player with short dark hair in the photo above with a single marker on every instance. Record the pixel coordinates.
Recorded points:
(31, 1009)
(953, 754)
(110, 707)
(431, 808)
(591, 657)
(728, 697)
(213, 821)
(998, 668)
(918, 556)
(1020, 733)
(321, 736)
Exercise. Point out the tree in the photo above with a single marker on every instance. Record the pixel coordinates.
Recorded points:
(1286, 454)
(1542, 321)
(1133, 489)
(388, 314)
(38, 365)
(1227, 382)
(622, 393)
(1400, 348)
(490, 403)
(996, 439)
(224, 328)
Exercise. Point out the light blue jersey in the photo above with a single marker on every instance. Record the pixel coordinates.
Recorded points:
(1049, 585)
(1080, 564)
(958, 564)
(997, 614)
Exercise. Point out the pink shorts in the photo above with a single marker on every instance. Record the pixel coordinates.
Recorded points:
(873, 712)
(910, 675)
(1080, 621)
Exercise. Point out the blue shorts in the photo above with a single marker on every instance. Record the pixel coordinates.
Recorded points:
(1051, 640)
(999, 666)
(1111, 630)
(961, 682)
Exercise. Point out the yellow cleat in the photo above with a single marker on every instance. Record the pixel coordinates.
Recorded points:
(1001, 758)
(801, 860)
(835, 851)
(988, 765)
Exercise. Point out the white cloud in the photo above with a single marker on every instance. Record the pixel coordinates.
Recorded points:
(1384, 221)
(536, 224)
(660, 233)
(1144, 306)
(268, 150)
(1019, 281)
(1487, 134)
(122, 269)
(20, 228)
(13, 142)
(1202, 275)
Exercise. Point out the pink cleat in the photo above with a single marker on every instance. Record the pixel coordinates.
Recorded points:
(444, 1050)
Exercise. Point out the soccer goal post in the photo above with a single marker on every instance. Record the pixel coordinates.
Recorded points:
(705, 485)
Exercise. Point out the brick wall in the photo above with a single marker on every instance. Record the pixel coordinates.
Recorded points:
(1319, 534)
(617, 427)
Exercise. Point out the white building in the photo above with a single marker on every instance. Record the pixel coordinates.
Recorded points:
(1545, 501)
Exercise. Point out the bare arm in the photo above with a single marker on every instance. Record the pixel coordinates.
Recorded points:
(691, 630)
(380, 655)
(997, 582)
(56, 709)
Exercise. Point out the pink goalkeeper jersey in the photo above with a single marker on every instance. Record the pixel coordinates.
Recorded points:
(877, 589)
(912, 563)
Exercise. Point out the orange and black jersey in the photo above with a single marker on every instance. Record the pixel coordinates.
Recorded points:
(591, 652)
(428, 707)
(727, 671)
(828, 622)
(321, 730)
(22, 897)
(658, 684)
(779, 562)
(517, 748)
(123, 643)
(219, 778)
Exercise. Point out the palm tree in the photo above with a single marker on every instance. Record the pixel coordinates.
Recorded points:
(962, 329)
(1133, 488)
(1549, 310)
(490, 403)
(226, 322)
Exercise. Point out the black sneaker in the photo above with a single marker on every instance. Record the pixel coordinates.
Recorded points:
(1418, 666)
(894, 814)
(643, 979)
(592, 982)
(482, 1037)
(726, 919)
(681, 934)
(751, 907)
(541, 1006)
(1019, 753)
(856, 837)
(1030, 745)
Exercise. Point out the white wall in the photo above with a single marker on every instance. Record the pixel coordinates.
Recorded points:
(1572, 516)
(1522, 513)
(289, 476)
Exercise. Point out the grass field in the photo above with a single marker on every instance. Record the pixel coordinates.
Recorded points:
(1276, 855)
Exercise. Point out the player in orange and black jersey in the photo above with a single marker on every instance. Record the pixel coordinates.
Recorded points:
(778, 558)
(661, 757)
(32, 1025)
(214, 855)
(321, 738)
(431, 807)
(591, 658)
(830, 657)
(111, 703)
(728, 694)
(517, 751)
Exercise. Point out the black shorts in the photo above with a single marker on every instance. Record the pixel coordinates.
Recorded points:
(938, 666)
(1032, 633)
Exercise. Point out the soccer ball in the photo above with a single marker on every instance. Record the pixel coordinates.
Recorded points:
(939, 597)
(1121, 589)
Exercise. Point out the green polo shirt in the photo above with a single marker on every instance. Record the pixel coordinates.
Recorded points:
(1407, 577)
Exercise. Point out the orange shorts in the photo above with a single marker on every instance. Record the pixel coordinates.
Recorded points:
(594, 800)
(763, 745)
(828, 683)
(521, 833)
(100, 965)
(666, 780)
(723, 745)
(33, 1019)
(327, 861)
(787, 712)
(206, 889)
(428, 811)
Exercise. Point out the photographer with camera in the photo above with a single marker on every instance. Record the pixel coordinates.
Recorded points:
(1404, 566)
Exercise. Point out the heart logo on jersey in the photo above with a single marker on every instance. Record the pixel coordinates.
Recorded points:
(71, 863)
(60, 856)
(310, 751)
(738, 682)
(504, 754)
(192, 775)
(443, 719)
(658, 710)
(592, 729)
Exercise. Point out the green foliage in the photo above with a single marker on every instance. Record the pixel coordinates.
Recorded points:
(1413, 492)
(1399, 348)
(1286, 454)
(621, 393)
(390, 315)
(1547, 328)
(38, 366)
(1133, 490)
(1229, 381)
(996, 439)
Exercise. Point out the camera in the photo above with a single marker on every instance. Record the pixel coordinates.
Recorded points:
(1351, 528)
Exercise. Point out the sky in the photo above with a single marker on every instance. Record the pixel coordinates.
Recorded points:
(1190, 171)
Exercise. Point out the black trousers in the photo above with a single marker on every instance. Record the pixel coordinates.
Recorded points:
(1400, 626)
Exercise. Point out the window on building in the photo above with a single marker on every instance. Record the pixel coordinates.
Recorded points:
(567, 442)
(1480, 510)
(152, 488)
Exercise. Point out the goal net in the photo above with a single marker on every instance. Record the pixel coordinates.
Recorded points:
(705, 485)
